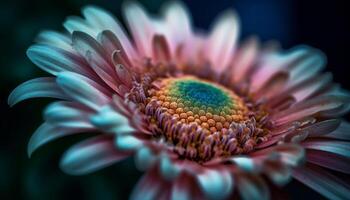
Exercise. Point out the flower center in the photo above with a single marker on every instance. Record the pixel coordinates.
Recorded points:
(201, 119)
(190, 100)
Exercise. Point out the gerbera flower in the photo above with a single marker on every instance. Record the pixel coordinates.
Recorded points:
(205, 117)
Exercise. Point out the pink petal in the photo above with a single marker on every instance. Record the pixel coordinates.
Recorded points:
(161, 51)
(141, 27)
(244, 59)
(328, 160)
(96, 56)
(323, 182)
(222, 40)
(308, 108)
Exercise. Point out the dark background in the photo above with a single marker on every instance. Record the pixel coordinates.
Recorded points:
(322, 24)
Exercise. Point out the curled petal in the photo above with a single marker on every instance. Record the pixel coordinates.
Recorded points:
(74, 23)
(39, 87)
(91, 155)
(322, 128)
(56, 39)
(103, 20)
(96, 56)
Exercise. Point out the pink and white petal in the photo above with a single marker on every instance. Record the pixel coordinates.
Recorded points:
(52, 38)
(68, 114)
(308, 108)
(39, 87)
(311, 86)
(185, 188)
(245, 59)
(311, 64)
(150, 187)
(103, 20)
(222, 40)
(91, 155)
(323, 182)
(48, 132)
(216, 183)
(141, 27)
(83, 90)
(111, 43)
(252, 187)
(342, 132)
(274, 62)
(328, 160)
(110, 120)
(341, 148)
(176, 15)
(55, 60)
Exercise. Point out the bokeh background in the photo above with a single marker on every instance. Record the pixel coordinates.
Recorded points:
(322, 24)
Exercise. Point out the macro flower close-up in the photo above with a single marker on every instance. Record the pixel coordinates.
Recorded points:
(203, 114)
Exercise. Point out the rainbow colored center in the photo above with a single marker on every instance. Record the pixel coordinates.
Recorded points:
(191, 100)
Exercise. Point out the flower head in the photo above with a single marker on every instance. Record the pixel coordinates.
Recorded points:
(205, 117)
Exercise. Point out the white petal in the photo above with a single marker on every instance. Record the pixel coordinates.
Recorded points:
(141, 27)
(39, 87)
(128, 142)
(91, 155)
(110, 120)
(47, 133)
(216, 184)
(82, 89)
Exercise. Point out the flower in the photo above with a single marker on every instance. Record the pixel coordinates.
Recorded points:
(205, 117)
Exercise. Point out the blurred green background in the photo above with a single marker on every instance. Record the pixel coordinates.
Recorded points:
(324, 25)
